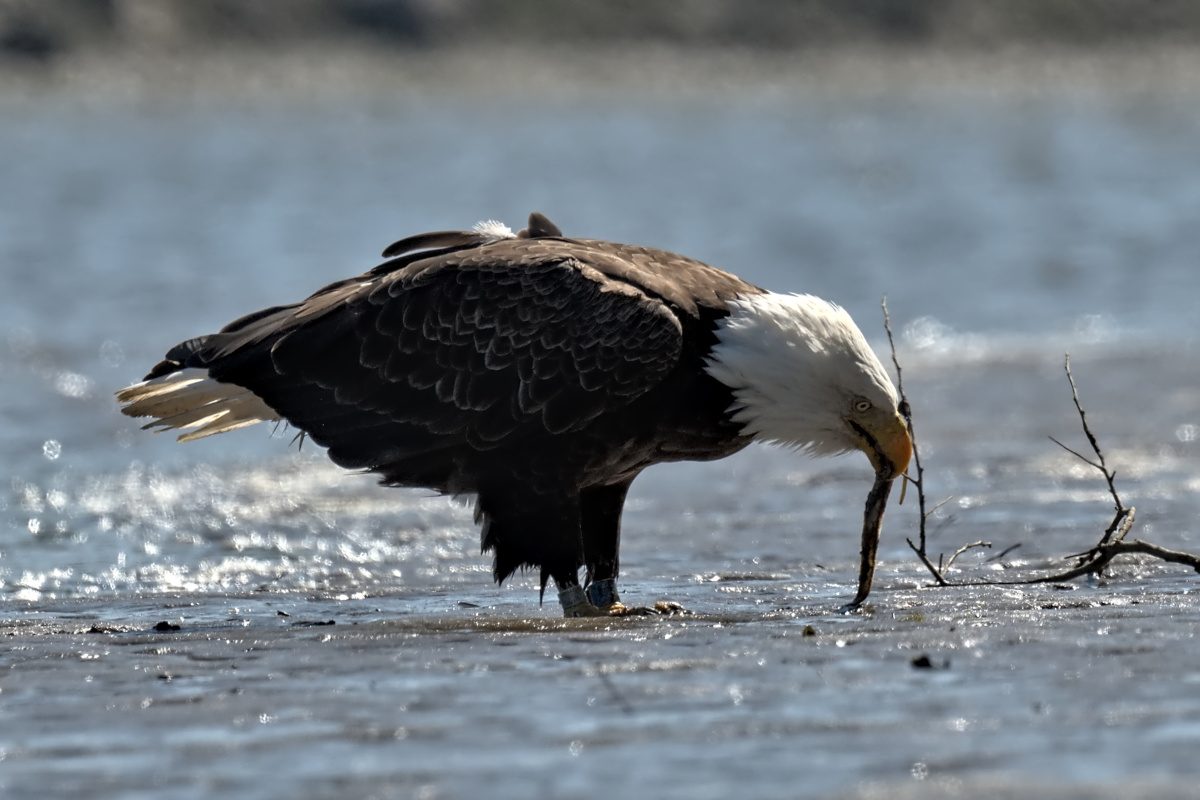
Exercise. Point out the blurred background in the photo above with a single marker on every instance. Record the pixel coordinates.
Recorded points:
(46, 30)
(1021, 179)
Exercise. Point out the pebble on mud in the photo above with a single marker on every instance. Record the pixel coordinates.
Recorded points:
(923, 661)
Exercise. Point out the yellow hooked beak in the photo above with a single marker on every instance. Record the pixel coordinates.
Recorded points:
(888, 445)
(896, 444)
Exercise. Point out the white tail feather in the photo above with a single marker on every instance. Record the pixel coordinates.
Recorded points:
(191, 399)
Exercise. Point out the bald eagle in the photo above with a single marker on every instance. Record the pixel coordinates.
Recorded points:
(541, 374)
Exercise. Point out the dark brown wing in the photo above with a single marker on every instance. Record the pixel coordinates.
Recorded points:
(475, 348)
(438, 354)
(481, 353)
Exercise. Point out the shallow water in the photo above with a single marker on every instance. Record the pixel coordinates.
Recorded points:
(1005, 232)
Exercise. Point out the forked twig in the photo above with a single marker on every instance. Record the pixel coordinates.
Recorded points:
(959, 552)
(1090, 562)
(1112, 543)
(1100, 464)
(938, 572)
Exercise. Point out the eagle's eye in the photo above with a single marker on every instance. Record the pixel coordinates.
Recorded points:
(862, 406)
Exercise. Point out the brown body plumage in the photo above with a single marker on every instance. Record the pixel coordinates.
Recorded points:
(540, 373)
(490, 367)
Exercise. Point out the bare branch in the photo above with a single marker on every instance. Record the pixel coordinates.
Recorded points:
(962, 550)
(1174, 556)
(1082, 414)
(939, 505)
(906, 412)
(934, 571)
(1109, 475)
(1077, 454)
(1003, 553)
(1090, 562)
(1125, 526)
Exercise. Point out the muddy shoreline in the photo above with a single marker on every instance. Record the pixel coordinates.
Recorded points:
(929, 692)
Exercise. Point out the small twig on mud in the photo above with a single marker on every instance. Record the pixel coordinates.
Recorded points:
(1112, 543)
(1094, 560)
(1000, 556)
(937, 572)
(919, 480)
(1109, 475)
(1090, 562)
(959, 552)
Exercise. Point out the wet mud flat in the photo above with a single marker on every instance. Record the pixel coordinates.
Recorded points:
(765, 690)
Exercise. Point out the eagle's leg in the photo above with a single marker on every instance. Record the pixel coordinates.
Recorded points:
(600, 524)
(575, 601)
(600, 528)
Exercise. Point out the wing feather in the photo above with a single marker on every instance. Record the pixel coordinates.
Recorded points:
(456, 350)
(474, 345)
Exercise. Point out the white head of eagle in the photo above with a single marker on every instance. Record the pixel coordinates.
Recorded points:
(541, 373)
(804, 376)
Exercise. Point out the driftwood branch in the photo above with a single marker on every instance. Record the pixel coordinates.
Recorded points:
(1090, 562)
(959, 552)
(938, 572)
(919, 480)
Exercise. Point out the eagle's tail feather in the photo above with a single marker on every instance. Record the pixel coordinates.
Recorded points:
(188, 398)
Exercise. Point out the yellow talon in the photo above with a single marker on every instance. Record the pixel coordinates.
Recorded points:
(577, 604)
(619, 609)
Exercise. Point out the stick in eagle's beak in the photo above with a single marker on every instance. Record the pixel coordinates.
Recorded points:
(889, 450)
